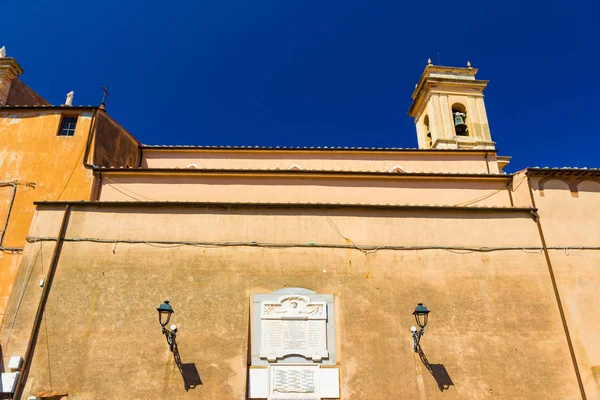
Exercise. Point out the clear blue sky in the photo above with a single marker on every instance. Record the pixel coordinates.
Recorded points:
(316, 73)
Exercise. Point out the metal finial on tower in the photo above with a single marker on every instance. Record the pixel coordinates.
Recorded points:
(429, 61)
(469, 65)
(105, 89)
(2, 51)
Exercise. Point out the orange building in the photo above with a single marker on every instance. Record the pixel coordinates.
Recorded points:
(47, 153)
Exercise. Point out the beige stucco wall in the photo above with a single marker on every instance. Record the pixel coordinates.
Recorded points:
(571, 220)
(294, 187)
(381, 161)
(494, 324)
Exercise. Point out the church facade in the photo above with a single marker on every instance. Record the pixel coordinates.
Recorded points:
(295, 273)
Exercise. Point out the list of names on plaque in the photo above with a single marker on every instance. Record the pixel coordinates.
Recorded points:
(294, 335)
(294, 326)
(294, 381)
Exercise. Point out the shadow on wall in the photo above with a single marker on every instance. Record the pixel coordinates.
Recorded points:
(438, 371)
(188, 371)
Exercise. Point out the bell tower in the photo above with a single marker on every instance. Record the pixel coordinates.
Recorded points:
(449, 111)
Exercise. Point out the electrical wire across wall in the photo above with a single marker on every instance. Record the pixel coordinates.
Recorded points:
(14, 185)
(32, 258)
(72, 171)
(487, 196)
(124, 191)
(335, 227)
(478, 199)
(140, 197)
(12, 249)
(281, 245)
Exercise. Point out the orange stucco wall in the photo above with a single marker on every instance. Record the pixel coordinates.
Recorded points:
(46, 167)
(49, 167)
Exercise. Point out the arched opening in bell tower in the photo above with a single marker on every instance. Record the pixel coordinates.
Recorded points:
(428, 140)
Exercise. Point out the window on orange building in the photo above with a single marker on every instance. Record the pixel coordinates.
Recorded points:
(67, 126)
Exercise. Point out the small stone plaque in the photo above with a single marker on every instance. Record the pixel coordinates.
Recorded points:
(294, 325)
(294, 383)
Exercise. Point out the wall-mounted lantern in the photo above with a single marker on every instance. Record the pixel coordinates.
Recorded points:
(164, 315)
(421, 314)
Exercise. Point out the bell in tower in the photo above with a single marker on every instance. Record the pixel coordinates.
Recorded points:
(460, 123)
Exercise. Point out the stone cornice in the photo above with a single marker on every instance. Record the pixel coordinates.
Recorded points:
(429, 85)
(449, 77)
(9, 68)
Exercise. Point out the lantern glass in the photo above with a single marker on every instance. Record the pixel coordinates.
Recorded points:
(421, 314)
(164, 313)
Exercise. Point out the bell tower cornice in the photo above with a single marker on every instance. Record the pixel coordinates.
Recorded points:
(438, 79)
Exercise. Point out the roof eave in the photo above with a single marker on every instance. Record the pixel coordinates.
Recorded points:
(295, 173)
(49, 107)
(562, 171)
(147, 147)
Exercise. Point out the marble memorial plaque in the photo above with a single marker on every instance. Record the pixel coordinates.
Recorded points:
(294, 383)
(294, 325)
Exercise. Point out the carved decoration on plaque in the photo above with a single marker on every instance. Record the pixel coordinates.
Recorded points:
(294, 325)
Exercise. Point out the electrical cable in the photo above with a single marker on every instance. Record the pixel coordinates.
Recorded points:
(72, 171)
(335, 227)
(477, 199)
(12, 249)
(25, 281)
(470, 202)
(45, 316)
(128, 190)
(280, 245)
(520, 183)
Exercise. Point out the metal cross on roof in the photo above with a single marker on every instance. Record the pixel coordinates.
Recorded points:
(105, 89)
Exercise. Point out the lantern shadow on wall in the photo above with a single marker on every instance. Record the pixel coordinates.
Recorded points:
(188, 371)
(438, 371)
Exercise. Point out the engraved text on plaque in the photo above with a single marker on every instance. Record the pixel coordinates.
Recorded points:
(294, 325)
